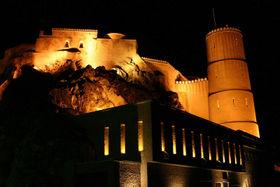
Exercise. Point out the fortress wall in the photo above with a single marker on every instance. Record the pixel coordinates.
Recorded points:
(113, 52)
(193, 95)
(96, 52)
(170, 74)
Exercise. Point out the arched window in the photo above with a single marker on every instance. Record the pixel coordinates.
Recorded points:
(81, 44)
(67, 43)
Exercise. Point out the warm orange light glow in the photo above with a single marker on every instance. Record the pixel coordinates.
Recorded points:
(140, 136)
(229, 153)
(162, 136)
(122, 138)
(209, 149)
(223, 151)
(193, 145)
(217, 149)
(106, 141)
(201, 145)
(174, 140)
(184, 142)
(234, 151)
(240, 155)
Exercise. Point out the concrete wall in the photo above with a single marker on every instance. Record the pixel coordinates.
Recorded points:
(170, 175)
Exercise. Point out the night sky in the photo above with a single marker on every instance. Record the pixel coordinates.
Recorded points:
(167, 30)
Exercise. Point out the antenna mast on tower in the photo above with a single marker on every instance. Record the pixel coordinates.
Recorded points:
(214, 17)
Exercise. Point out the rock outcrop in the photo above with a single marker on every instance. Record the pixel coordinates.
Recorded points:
(88, 90)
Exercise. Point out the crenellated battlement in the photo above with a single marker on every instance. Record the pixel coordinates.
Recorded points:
(76, 30)
(191, 81)
(154, 60)
(222, 29)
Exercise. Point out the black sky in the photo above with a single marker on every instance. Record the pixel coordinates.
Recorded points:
(168, 30)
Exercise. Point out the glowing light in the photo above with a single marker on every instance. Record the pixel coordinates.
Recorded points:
(209, 148)
(174, 139)
(122, 138)
(184, 142)
(201, 146)
(240, 155)
(229, 153)
(162, 136)
(223, 151)
(234, 151)
(106, 141)
(193, 145)
(217, 149)
(140, 136)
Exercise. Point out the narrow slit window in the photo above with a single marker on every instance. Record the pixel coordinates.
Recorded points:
(233, 101)
(67, 44)
(193, 145)
(218, 104)
(201, 146)
(81, 44)
(123, 139)
(229, 153)
(184, 142)
(140, 136)
(209, 148)
(106, 141)
(240, 155)
(162, 136)
(217, 149)
(246, 102)
(174, 139)
(223, 151)
(234, 151)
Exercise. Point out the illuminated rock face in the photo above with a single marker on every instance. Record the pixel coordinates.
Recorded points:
(88, 90)
(231, 102)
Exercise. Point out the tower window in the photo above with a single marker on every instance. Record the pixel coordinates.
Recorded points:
(218, 104)
(81, 44)
(67, 43)
(246, 102)
(233, 101)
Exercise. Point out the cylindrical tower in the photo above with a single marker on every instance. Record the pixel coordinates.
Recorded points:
(231, 102)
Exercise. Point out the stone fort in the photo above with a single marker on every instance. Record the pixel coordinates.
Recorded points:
(224, 97)
(212, 141)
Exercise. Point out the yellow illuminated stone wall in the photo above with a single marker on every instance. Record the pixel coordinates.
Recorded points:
(231, 101)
